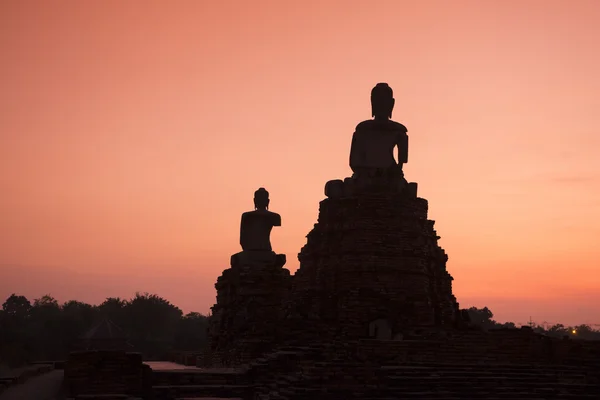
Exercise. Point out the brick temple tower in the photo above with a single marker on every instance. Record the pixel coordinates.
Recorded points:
(372, 266)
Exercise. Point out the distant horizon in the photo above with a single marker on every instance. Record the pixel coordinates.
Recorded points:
(546, 324)
(593, 324)
(132, 138)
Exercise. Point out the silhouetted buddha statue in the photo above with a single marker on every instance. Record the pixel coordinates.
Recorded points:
(255, 230)
(373, 142)
(255, 233)
(372, 153)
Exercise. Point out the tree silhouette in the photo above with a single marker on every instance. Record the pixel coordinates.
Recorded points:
(46, 330)
(191, 332)
(481, 317)
(15, 341)
(76, 318)
(152, 324)
(16, 307)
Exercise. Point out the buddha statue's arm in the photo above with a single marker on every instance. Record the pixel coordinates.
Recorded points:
(276, 219)
(242, 231)
(355, 153)
(402, 148)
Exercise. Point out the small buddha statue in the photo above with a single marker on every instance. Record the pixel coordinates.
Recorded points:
(256, 226)
(374, 140)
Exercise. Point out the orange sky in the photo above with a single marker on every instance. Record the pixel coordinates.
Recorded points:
(133, 135)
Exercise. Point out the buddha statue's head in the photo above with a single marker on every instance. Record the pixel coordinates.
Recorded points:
(261, 199)
(382, 101)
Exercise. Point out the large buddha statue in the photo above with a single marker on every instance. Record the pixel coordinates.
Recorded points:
(374, 140)
(372, 153)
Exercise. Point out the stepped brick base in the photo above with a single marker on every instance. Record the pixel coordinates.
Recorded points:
(373, 257)
(245, 319)
(510, 363)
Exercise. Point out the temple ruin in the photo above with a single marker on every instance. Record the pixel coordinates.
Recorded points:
(370, 313)
(371, 267)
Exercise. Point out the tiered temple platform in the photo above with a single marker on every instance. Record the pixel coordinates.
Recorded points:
(372, 267)
(503, 364)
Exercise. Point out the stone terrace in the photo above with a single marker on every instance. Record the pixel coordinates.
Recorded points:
(169, 382)
(496, 365)
(417, 370)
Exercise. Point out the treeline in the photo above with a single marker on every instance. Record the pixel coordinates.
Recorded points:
(47, 330)
(483, 317)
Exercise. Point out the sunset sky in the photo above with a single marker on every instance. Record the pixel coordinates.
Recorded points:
(133, 135)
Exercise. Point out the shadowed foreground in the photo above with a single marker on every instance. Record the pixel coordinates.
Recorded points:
(42, 387)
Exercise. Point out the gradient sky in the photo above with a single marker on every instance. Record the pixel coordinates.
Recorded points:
(134, 133)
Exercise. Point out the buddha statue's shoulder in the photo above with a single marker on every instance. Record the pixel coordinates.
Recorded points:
(248, 213)
(389, 125)
(262, 214)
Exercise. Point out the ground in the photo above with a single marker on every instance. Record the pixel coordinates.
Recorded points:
(42, 387)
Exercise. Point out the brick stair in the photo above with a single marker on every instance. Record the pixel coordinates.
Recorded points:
(210, 398)
(463, 374)
(200, 384)
(174, 392)
(443, 382)
(224, 383)
(197, 377)
(478, 367)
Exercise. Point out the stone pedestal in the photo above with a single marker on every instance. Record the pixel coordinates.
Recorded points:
(246, 319)
(372, 256)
